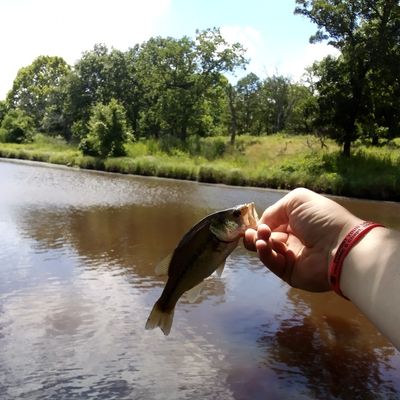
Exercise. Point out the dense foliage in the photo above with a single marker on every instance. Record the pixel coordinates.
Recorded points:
(16, 127)
(108, 131)
(176, 90)
(358, 92)
(38, 91)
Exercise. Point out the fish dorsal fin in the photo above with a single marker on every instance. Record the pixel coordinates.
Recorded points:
(163, 267)
(193, 294)
(220, 269)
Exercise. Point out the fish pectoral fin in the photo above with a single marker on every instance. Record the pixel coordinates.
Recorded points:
(160, 318)
(220, 269)
(193, 294)
(163, 267)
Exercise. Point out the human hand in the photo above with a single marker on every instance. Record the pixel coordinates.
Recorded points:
(297, 236)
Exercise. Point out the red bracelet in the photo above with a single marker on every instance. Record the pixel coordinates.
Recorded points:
(350, 240)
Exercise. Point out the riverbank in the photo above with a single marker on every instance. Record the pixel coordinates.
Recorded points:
(276, 161)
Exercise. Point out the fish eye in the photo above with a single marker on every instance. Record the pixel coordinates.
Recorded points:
(237, 213)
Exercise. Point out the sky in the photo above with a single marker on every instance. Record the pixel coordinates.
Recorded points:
(276, 40)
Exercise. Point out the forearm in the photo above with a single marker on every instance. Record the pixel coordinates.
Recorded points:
(371, 280)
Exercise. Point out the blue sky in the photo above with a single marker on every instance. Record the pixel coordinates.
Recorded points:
(276, 40)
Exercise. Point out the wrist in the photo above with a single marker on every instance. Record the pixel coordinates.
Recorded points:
(351, 222)
(371, 280)
(359, 267)
(350, 241)
(346, 228)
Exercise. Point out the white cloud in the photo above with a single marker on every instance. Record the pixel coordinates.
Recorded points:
(266, 60)
(66, 28)
(306, 56)
(253, 42)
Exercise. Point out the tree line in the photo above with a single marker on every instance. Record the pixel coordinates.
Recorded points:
(173, 89)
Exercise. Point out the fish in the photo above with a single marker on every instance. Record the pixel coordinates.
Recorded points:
(201, 251)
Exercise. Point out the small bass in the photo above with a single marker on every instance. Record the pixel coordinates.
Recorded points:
(201, 251)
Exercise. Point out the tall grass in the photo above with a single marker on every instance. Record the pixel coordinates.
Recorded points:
(276, 161)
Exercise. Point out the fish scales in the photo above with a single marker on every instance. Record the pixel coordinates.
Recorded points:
(201, 251)
(194, 266)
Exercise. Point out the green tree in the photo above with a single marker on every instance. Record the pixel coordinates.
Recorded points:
(248, 107)
(274, 103)
(3, 109)
(216, 57)
(303, 113)
(233, 111)
(37, 87)
(366, 33)
(99, 76)
(383, 77)
(16, 127)
(336, 113)
(178, 80)
(108, 131)
(167, 74)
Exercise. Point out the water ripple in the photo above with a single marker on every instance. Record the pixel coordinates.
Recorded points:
(77, 257)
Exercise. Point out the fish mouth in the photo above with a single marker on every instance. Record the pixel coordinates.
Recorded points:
(249, 215)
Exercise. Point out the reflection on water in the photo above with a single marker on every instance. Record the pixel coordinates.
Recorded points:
(77, 257)
(332, 354)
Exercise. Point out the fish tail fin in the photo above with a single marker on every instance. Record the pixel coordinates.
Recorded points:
(160, 318)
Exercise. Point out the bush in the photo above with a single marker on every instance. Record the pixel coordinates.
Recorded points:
(16, 127)
(211, 174)
(211, 147)
(89, 146)
(168, 144)
(3, 110)
(108, 131)
(79, 131)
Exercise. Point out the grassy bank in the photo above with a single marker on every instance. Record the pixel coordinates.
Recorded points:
(276, 161)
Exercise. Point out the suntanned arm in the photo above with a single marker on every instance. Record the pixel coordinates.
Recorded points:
(370, 278)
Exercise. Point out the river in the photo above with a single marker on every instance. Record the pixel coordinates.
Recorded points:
(77, 257)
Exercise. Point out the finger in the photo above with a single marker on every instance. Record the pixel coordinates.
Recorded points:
(249, 239)
(276, 215)
(278, 246)
(263, 232)
(279, 237)
(274, 260)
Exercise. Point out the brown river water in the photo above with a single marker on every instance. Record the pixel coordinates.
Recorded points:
(77, 257)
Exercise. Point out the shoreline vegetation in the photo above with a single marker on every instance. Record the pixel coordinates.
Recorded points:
(278, 161)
